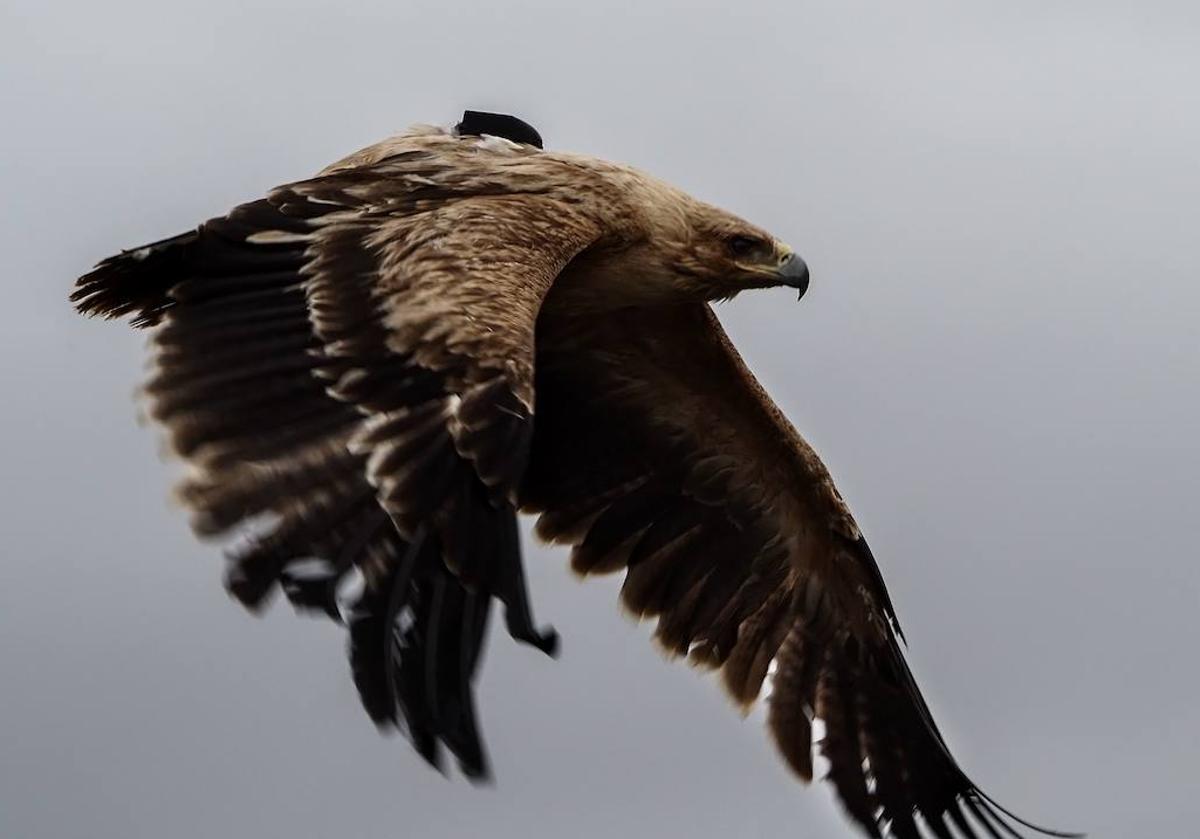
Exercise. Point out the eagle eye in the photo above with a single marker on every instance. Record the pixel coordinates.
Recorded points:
(743, 245)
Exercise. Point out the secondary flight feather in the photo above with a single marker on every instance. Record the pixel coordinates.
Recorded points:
(378, 367)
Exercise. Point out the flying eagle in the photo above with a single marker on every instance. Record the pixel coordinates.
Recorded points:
(372, 371)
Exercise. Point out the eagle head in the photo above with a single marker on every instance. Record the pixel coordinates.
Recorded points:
(724, 255)
(691, 249)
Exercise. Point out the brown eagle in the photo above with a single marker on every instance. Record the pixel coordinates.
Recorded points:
(372, 371)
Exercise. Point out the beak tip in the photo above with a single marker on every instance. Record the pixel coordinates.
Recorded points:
(793, 272)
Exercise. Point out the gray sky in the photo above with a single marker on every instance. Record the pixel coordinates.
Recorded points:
(998, 359)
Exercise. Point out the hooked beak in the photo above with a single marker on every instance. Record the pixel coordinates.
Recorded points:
(793, 272)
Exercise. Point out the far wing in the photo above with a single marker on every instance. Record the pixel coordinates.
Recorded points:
(657, 452)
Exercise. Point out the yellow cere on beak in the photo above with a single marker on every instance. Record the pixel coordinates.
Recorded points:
(791, 269)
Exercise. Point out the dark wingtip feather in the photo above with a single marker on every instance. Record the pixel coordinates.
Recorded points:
(366, 650)
(509, 587)
(999, 812)
(135, 281)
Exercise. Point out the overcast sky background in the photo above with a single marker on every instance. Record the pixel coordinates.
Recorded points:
(998, 359)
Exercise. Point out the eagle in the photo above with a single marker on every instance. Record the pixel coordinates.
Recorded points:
(371, 372)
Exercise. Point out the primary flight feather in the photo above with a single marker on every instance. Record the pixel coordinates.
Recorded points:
(380, 366)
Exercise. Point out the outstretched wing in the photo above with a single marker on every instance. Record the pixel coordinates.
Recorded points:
(347, 365)
(659, 453)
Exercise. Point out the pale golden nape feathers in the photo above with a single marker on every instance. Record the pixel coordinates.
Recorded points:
(377, 367)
